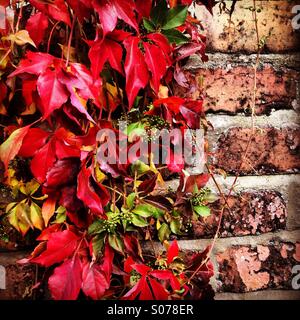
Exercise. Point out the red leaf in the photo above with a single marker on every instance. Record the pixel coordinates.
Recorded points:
(105, 51)
(82, 8)
(143, 8)
(34, 63)
(36, 27)
(60, 246)
(188, 185)
(10, 148)
(93, 195)
(110, 10)
(65, 283)
(33, 141)
(160, 293)
(146, 293)
(173, 103)
(42, 161)
(62, 173)
(28, 89)
(107, 263)
(156, 63)
(56, 9)
(136, 290)
(176, 162)
(141, 268)
(45, 235)
(52, 92)
(167, 275)
(136, 70)
(162, 42)
(173, 252)
(69, 199)
(94, 282)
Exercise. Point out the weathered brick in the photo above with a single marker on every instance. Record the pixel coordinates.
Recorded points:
(19, 278)
(271, 151)
(228, 88)
(246, 268)
(239, 34)
(251, 213)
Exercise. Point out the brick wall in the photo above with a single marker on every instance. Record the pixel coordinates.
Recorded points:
(260, 236)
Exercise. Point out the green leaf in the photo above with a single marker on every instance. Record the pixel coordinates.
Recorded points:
(140, 167)
(164, 232)
(145, 210)
(130, 200)
(98, 244)
(149, 25)
(139, 221)
(175, 17)
(96, 227)
(211, 198)
(134, 129)
(159, 13)
(175, 36)
(202, 211)
(175, 226)
(116, 243)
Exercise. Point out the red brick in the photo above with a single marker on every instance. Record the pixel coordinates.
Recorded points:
(238, 33)
(250, 213)
(19, 279)
(230, 90)
(271, 151)
(245, 269)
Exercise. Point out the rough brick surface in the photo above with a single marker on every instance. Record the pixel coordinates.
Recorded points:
(229, 89)
(251, 213)
(238, 33)
(271, 151)
(245, 269)
(19, 279)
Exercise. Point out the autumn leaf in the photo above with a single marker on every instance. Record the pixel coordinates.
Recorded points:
(94, 282)
(92, 194)
(10, 148)
(110, 10)
(156, 63)
(48, 209)
(60, 246)
(36, 25)
(65, 283)
(52, 92)
(103, 51)
(34, 63)
(136, 70)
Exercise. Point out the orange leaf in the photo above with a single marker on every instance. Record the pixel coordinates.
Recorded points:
(48, 210)
(10, 148)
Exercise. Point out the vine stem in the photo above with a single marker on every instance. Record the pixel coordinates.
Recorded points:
(70, 40)
(50, 36)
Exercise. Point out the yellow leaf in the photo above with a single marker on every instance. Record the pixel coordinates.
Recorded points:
(21, 38)
(10, 148)
(30, 187)
(100, 176)
(163, 92)
(36, 216)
